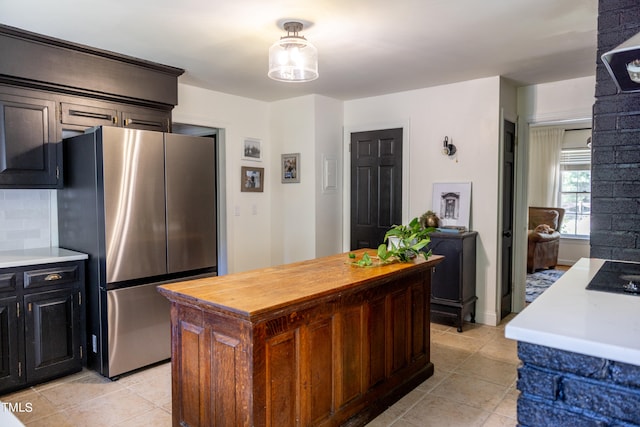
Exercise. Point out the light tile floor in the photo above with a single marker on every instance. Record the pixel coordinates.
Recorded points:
(473, 385)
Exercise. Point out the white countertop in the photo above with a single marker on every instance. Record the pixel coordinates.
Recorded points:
(569, 317)
(23, 257)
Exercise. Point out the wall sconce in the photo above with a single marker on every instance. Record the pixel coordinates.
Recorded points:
(448, 149)
(623, 64)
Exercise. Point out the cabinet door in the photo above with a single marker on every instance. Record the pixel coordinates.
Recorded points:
(11, 372)
(446, 279)
(52, 334)
(146, 119)
(29, 152)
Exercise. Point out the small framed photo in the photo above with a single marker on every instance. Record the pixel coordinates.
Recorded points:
(252, 179)
(290, 167)
(252, 149)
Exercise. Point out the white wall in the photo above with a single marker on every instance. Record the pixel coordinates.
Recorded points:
(329, 183)
(287, 222)
(292, 124)
(306, 218)
(248, 215)
(468, 113)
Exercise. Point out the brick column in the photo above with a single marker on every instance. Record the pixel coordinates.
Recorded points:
(615, 175)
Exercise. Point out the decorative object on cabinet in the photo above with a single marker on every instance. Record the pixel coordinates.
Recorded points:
(252, 179)
(543, 237)
(42, 323)
(429, 219)
(252, 149)
(51, 89)
(452, 203)
(453, 290)
(290, 164)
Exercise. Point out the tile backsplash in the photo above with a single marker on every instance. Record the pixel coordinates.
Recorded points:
(28, 219)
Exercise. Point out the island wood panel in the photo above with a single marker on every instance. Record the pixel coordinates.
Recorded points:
(339, 359)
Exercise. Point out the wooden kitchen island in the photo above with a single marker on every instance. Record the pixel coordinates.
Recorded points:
(318, 342)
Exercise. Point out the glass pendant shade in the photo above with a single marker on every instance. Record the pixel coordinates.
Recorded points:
(293, 59)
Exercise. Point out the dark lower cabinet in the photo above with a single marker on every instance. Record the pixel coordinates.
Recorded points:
(42, 333)
(52, 334)
(10, 342)
(453, 286)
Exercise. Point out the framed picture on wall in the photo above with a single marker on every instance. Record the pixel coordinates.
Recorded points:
(252, 179)
(452, 203)
(290, 167)
(252, 149)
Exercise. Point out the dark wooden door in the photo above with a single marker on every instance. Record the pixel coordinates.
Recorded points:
(52, 333)
(508, 179)
(376, 185)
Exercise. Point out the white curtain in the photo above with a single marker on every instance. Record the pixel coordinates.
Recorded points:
(545, 145)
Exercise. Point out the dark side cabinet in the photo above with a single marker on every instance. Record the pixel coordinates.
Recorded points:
(42, 333)
(453, 286)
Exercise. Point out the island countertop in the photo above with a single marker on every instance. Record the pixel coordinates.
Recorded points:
(569, 317)
(252, 293)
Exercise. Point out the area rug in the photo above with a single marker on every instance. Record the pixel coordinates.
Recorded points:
(539, 282)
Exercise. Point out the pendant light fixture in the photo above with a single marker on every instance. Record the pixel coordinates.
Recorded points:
(293, 58)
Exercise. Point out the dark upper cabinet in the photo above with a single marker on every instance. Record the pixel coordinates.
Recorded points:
(79, 114)
(29, 151)
(51, 88)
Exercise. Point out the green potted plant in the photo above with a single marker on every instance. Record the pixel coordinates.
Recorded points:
(401, 243)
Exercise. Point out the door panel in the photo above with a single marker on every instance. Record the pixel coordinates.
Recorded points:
(191, 202)
(376, 185)
(134, 203)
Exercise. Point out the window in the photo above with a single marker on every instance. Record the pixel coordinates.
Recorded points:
(575, 191)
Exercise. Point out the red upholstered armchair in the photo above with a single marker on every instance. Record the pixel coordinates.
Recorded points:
(543, 238)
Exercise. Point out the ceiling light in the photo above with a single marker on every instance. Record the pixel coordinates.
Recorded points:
(293, 58)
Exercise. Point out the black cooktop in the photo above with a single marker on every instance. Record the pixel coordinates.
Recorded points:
(617, 277)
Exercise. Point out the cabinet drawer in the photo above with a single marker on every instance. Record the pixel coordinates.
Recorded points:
(84, 115)
(8, 282)
(51, 276)
(146, 120)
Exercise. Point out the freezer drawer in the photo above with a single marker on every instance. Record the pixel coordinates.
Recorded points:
(139, 326)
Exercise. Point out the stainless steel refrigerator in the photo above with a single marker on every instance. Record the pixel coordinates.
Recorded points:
(142, 204)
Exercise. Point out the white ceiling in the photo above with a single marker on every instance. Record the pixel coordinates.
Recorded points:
(366, 47)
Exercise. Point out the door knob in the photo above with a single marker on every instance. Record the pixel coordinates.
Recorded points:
(506, 234)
